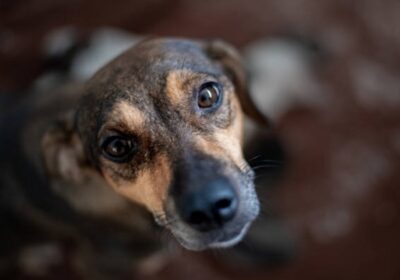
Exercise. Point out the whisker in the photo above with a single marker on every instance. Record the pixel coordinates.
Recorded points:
(253, 158)
(265, 166)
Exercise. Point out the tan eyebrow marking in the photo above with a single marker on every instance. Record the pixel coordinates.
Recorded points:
(175, 84)
(127, 114)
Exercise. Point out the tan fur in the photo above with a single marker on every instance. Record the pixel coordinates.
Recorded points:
(150, 187)
(124, 112)
(107, 202)
(175, 84)
(63, 151)
(163, 129)
(225, 143)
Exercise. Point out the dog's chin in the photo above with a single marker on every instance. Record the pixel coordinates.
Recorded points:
(228, 235)
(231, 239)
(223, 239)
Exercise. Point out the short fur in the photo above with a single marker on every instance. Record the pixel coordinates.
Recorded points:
(148, 92)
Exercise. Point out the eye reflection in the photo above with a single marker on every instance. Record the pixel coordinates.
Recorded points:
(118, 148)
(209, 95)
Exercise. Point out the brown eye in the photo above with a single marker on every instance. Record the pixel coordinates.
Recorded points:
(209, 95)
(118, 148)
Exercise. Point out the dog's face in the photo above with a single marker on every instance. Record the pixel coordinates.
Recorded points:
(162, 123)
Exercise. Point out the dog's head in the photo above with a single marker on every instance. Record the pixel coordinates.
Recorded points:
(162, 123)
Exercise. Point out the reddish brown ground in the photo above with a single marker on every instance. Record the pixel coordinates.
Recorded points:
(340, 195)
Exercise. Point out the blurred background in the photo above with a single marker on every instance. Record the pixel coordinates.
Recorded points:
(326, 72)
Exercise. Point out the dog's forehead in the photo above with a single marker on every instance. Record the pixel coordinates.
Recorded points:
(151, 60)
(167, 54)
(141, 74)
(143, 78)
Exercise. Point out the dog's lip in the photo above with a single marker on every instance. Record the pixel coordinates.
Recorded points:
(222, 240)
(230, 239)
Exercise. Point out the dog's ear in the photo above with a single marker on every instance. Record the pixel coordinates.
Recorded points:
(62, 151)
(229, 58)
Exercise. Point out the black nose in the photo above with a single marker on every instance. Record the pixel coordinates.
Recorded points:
(209, 207)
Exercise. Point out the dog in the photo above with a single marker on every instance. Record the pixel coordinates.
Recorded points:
(157, 132)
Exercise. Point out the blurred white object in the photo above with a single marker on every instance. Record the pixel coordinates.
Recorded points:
(281, 68)
(105, 44)
(59, 41)
(281, 76)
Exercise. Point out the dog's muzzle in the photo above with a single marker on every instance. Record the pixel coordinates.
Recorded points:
(212, 203)
(209, 207)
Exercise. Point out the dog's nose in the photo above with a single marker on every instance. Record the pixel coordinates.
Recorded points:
(210, 207)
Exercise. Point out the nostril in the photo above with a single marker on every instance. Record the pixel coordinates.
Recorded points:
(223, 203)
(198, 218)
(224, 210)
(208, 207)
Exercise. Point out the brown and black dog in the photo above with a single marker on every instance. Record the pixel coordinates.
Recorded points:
(160, 126)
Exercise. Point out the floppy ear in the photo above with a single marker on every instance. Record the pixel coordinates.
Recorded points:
(229, 58)
(62, 151)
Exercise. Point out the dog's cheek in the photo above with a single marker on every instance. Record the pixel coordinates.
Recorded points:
(225, 143)
(149, 188)
(232, 138)
(235, 130)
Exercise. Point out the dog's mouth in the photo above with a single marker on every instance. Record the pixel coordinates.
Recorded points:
(230, 239)
(221, 225)
(221, 238)
(225, 236)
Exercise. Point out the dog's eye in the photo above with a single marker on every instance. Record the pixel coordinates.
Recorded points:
(118, 148)
(209, 95)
